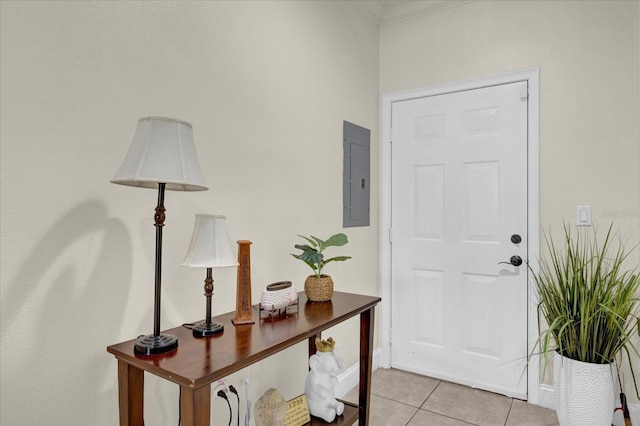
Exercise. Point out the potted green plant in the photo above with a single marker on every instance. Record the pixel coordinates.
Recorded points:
(319, 287)
(590, 303)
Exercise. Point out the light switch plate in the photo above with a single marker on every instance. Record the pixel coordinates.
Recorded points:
(583, 215)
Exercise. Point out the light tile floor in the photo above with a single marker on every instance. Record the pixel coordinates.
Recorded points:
(402, 398)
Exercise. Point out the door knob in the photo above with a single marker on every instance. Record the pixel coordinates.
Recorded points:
(515, 261)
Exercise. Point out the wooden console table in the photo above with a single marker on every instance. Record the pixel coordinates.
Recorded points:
(199, 362)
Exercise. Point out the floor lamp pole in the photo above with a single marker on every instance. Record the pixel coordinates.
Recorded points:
(156, 343)
(159, 224)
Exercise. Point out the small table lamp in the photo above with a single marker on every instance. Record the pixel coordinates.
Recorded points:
(162, 155)
(209, 248)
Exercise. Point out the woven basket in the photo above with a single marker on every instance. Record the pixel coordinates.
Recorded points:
(318, 289)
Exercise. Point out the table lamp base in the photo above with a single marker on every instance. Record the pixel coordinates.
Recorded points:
(211, 329)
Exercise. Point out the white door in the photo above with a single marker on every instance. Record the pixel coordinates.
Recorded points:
(458, 208)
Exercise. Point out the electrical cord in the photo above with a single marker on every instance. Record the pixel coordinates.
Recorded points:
(247, 408)
(233, 390)
(223, 395)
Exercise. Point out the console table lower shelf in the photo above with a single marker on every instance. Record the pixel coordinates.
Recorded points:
(198, 362)
(349, 417)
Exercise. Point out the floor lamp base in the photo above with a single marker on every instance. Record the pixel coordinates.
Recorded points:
(154, 345)
(203, 329)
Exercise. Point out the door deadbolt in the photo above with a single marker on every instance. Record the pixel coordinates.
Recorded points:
(516, 239)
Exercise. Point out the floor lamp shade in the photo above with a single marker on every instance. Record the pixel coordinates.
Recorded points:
(162, 150)
(162, 156)
(209, 248)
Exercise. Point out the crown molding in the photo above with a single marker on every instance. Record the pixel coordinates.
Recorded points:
(388, 12)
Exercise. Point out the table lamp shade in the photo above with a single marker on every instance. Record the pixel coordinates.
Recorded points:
(162, 151)
(210, 247)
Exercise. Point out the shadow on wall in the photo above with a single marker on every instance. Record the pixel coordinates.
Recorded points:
(66, 303)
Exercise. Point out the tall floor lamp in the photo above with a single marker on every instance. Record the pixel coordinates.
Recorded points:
(209, 248)
(162, 155)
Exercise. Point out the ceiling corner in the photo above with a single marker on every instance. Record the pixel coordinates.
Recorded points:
(388, 12)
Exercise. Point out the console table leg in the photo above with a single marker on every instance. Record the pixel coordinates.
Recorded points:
(312, 343)
(130, 394)
(366, 353)
(195, 408)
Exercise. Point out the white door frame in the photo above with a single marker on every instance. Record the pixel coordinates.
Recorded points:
(532, 76)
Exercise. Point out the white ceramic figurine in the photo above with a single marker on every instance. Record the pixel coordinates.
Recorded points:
(321, 381)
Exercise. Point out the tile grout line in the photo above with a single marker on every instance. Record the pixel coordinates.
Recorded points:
(431, 393)
(508, 412)
(414, 414)
(448, 417)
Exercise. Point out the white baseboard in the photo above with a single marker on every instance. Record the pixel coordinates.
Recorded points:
(351, 377)
(547, 401)
(546, 397)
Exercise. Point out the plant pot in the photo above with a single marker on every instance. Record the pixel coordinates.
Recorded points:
(583, 392)
(318, 289)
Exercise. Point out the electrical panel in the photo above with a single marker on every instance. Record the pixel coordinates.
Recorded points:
(356, 175)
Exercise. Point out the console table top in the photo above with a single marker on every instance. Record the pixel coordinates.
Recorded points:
(200, 361)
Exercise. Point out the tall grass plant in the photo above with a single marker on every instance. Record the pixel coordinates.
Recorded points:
(589, 300)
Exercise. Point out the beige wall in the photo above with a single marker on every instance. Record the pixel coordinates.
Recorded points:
(588, 54)
(266, 86)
